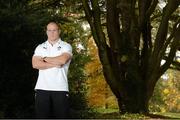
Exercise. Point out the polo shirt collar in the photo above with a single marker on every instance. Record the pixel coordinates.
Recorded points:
(56, 44)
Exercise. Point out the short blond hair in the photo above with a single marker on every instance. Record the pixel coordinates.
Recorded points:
(54, 23)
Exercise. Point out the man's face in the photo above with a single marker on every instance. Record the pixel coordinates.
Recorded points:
(52, 32)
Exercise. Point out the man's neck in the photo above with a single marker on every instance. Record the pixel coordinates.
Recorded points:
(52, 42)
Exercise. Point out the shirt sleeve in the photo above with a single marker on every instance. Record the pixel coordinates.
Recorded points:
(67, 49)
(38, 51)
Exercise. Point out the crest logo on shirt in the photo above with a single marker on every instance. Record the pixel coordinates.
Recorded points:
(59, 47)
(44, 47)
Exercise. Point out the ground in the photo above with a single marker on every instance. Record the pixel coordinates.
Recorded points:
(114, 114)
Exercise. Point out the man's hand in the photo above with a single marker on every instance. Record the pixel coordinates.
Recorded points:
(58, 60)
(39, 63)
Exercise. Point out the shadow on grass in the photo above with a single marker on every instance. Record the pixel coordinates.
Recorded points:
(156, 116)
(164, 116)
(117, 115)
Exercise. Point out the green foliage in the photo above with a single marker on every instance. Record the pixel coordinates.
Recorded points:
(166, 96)
(77, 77)
(22, 29)
(72, 32)
(17, 77)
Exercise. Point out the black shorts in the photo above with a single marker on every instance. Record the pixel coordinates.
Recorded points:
(51, 104)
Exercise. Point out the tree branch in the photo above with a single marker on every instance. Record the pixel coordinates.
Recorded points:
(151, 8)
(161, 36)
(97, 24)
(113, 26)
(88, 12)
(162, 31)
(169, 39)
(176, 65)
(174, 47)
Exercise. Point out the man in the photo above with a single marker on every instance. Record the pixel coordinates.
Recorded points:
(52, 59)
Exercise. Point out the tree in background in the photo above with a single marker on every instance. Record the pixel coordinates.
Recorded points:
(22, 29)
(99, 94)
(130, 54)
(166, 97)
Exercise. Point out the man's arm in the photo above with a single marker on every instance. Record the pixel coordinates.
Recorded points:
(39, 63)
(58, 60)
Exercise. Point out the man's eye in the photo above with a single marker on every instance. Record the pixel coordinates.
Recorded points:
(52, 30)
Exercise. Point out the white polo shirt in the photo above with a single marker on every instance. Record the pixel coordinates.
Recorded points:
(53, 79)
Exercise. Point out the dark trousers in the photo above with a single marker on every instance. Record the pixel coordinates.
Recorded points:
(51, 104)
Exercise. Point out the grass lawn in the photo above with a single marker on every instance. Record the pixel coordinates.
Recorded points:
(114, 114)
(168, 114)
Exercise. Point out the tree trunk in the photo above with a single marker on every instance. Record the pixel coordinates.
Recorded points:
(127, 85)
(133, 103)
(129, 56)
